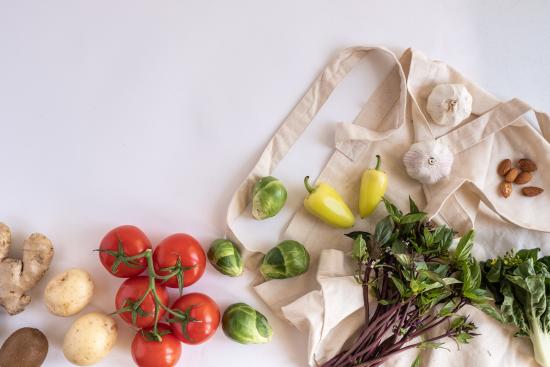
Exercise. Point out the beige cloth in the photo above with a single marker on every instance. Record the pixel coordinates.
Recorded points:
(325, 302)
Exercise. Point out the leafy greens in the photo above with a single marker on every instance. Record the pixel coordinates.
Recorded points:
(520, 283)
(418, 284)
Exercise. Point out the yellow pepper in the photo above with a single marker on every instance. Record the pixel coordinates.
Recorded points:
(325, 203)
(373, 187)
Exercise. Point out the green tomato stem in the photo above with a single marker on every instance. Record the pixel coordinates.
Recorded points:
(309, 188)
(167, 276)
(138, 256)
(153, 277)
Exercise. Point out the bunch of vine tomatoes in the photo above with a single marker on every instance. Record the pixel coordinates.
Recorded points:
(143, 301)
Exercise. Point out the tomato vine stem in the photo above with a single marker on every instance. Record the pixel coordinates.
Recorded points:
(134, 306)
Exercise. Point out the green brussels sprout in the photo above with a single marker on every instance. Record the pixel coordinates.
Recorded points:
(286, 260)
(268, 197)
(226, 258)
(245, 325)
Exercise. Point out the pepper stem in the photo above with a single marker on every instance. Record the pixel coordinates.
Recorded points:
(309, 188)
(378, 162)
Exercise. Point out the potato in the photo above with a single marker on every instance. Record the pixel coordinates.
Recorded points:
(69, 292)
(26, 347)
(89, 339)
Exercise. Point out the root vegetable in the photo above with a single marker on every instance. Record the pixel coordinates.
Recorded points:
(89, 339)
(26, 347)
(19, 276)
(69, 292)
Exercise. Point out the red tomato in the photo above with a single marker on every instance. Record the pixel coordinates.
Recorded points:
(150, 353)
(203, 318)
(181, 251)
(132, 290)
(124, 241)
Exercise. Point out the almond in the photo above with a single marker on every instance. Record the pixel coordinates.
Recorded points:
(504, 167)
(523, 178)
(527, 165)
(512, 175)
(505, 189)
(532, 191)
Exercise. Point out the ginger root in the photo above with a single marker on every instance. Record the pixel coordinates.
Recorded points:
(19, 276)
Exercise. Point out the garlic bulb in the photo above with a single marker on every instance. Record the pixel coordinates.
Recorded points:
(449, 104)
(428, 161)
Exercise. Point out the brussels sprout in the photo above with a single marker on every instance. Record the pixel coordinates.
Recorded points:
(268, 197)
(226, 258)
(245, 325)
(286, 260)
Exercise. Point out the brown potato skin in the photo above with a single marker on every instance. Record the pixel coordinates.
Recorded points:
(26, 347)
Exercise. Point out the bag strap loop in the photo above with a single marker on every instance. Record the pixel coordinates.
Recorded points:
(300, 118)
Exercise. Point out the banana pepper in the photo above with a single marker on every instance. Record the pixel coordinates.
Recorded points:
(374, 183)
(325, 203)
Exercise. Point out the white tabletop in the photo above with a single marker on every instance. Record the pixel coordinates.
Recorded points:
(152, 112)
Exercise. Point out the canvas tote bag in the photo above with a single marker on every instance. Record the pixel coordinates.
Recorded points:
(325, 301)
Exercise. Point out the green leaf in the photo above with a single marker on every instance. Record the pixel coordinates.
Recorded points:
(530, 292)
(446, 282)
(525, 254)
(511, 310)
(457, 322)
(447, 308)
(430, 345)
(433, 276)
(471, 276)
(360, 248)
(440, 269)
(464, 247)
(416, 286)
(399, 285)
(475, 271)
(428, 237)
(525, 269)
(463, 338)
(493, 275)
(412, 206)
(413, 218)
(478, 295)
(490, 310)
(447, 235)
(384, 230)
(392, 210)
(403, 259)
(546, 261)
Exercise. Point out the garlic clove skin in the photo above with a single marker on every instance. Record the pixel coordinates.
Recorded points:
(449, 104)
(428, 161)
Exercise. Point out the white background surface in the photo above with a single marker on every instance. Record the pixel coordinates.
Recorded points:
(152, 112)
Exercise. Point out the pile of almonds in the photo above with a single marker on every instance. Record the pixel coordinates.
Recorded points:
(519, 175)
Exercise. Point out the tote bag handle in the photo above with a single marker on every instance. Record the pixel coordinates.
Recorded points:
(299, 119)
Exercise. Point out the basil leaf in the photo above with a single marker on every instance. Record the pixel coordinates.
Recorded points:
(360, 249)
(384, 230)
(399, 285)
(477, 296)
(413, 218)
(464, 247)
(471, 276)
(392, 209)
(412, 206)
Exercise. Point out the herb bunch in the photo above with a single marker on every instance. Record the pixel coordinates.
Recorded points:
(418, 283)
